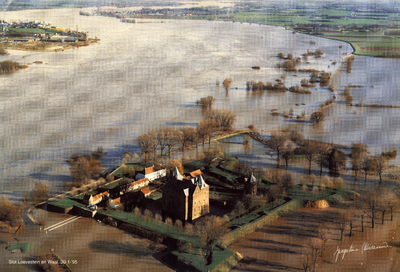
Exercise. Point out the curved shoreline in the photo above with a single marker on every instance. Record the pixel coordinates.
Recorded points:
(55, 48)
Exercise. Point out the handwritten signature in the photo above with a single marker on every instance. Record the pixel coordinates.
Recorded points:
(365, 247)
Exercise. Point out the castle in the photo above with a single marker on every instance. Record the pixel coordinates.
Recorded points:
(186, 197)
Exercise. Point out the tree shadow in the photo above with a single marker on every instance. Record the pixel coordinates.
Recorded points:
(274, 242)
(288, 230)
(125, 249)
(261, 263)
(272, 249)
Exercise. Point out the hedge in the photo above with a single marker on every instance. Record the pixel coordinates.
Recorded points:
(245, 230)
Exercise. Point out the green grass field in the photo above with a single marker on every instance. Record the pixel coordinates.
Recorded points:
(33, 30)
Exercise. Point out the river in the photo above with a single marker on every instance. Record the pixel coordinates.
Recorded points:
(149, 75)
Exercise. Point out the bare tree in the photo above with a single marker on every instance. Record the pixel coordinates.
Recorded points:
(324, 235)
(368, 165)
(337, 161)
(276, 142)
(287, 152)
(173, 137)
(223, 117)
(309, 150)
(40, 192)
(206, 102)
(84, 167)
(371, 204)
(8, 212)
(381, 164)
(392, 203)
(357, 154)
(145, 142)
(171, 165)
(322, 151)
(188, 136)
(227, 83)
(207, 127)
(210, 229)
(317, 117)
(351, 214)
(162, 139)
(342, 221)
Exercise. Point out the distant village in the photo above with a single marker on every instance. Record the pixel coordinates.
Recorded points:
(21, 31)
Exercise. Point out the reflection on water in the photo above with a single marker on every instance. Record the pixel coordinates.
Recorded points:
(146, 76)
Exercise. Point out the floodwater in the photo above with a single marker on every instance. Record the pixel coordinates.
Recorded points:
(150, 74)
(138, 77)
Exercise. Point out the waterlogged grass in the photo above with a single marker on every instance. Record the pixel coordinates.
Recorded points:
(24, 247)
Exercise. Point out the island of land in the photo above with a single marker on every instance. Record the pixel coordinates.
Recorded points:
(40, 36)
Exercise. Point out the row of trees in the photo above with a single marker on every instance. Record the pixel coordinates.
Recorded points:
(169, 138)
(284, 144)
(362, 160)
(370, 205)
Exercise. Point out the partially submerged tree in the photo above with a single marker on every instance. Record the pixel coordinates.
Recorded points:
(309, 150)
(227, 83)
(40, 192)
(276, 142)
(381, 164)
(317, 117)
(357, 155)
(287, 152)
(337, 161)
(8, 212)
(223, 117)
(85, 167)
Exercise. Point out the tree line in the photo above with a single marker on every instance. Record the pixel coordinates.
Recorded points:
(291, 143)
(167, 139)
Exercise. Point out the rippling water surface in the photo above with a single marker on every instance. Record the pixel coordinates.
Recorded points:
(149, 75)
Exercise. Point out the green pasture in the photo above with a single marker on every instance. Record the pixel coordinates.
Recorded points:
(24, 247)
(33, 30)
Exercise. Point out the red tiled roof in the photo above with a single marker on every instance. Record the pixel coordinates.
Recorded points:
(152, 169)
(139, 181)
(96, 197)
(146, 191)
(195, 173)
(148, 170)
(117, 201)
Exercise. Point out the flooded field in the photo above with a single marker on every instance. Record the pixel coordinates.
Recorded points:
(149, 75)
(137, 78)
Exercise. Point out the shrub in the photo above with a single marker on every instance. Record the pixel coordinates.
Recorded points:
(317, 117)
